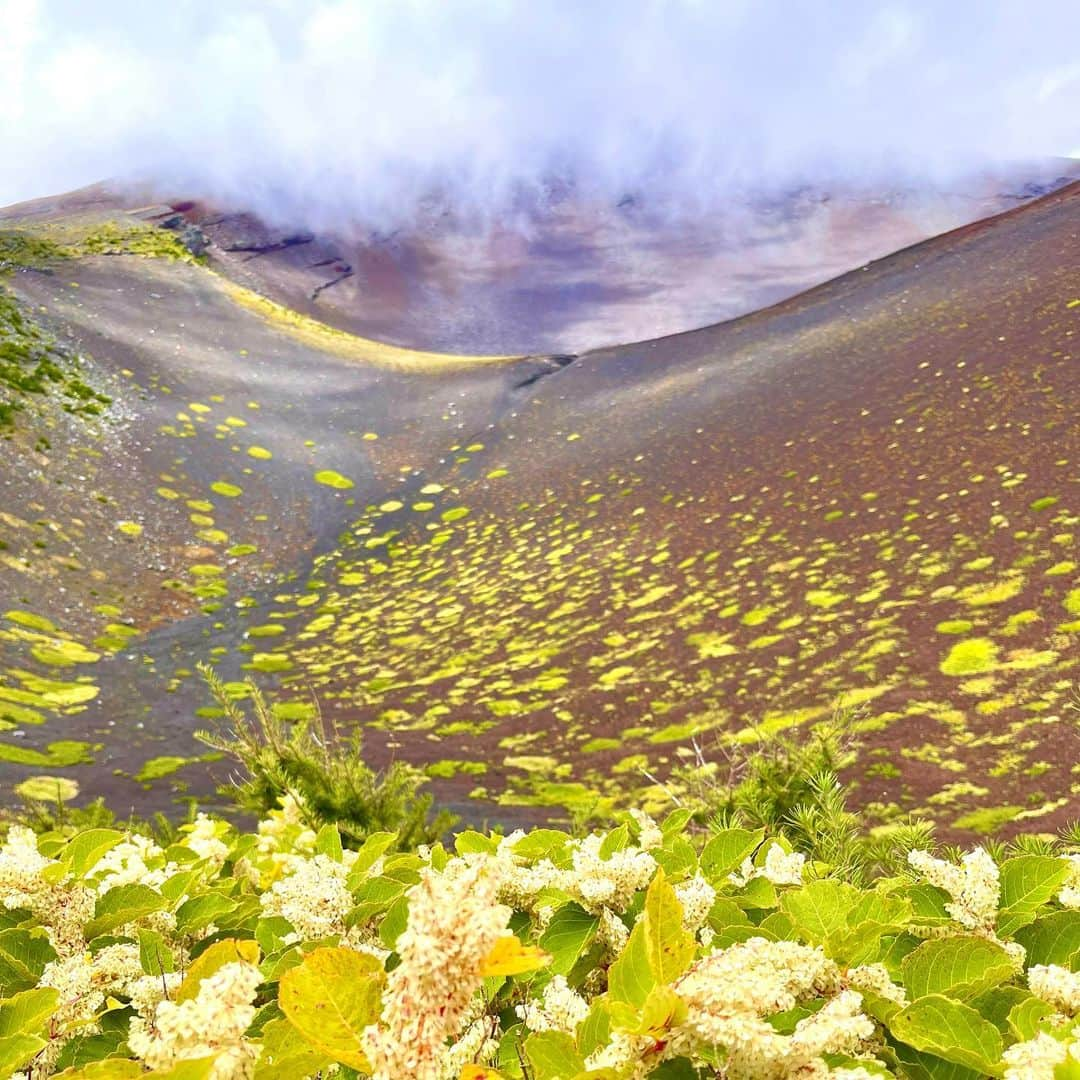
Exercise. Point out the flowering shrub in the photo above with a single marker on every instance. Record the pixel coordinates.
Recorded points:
(637, 952)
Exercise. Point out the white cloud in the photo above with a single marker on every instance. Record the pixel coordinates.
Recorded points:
(362, 108)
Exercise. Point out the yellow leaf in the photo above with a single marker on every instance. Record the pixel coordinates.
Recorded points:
(510, 957)
(479, 1072)
(229, 951)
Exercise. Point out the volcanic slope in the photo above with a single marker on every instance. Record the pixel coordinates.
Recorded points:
(865, 495)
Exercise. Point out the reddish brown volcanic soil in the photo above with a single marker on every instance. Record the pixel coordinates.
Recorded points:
(866, 493)
(574, 275)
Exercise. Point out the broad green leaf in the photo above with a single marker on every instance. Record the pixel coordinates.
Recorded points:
(17, 1050)
(26, 1013)
(553, 1056)
(676, 821)
(726, 850)
(542, 844)
(394, 922)
(471, 842)
(1024, 1017)
(229, 951)
(155, 956)
(23, 956)
(595, 1030)
(630, 978)
(328, 842)
(616, 840)
(918, 1065)
(950, 1030)
(23, 1018)
(330, 998)
(200, 911)
(567, 934)
(109, 1069)
(819, 908)
(511, 1054)
(1053, 939)
(996, 1003)
(84, 851)
(670, 948)
(677, 857)
(123, 904)
(192, 1069)
(374, 847)
(961, 966)
(1027, 882)
(286, 1054)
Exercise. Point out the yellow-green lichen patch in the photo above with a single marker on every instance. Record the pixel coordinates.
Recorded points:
(228, 490)
(973, 656)
(332, 479)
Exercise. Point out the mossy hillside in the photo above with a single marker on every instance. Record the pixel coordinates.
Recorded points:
(32, 366)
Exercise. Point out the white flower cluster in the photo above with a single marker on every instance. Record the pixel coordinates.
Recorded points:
(210, 1024)
(974, 886)
(204, 838)
(595, 882)
(454, 922)
(697, 897)
(136, 860)
(875, 979)
(560, 1008)
(650, 834)
(1056, 986)
(313, 896)
(62, 908)
(1069, 896)
(1038, 1058)
(730, 994)
(779, 867)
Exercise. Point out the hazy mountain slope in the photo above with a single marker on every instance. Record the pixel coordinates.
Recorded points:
(866, 493)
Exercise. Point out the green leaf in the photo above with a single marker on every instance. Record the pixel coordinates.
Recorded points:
(1053, 939)
(192, 1069)
(286, 1054)
(1027, 882)
(616, 840)
(922, 1066)
(22, 1022)
(23, 956)
(950, 1030)
(155, 957)
(961, 966)
(109, 1069)
(819, 908)
(1025, 1016)
(84, 851)
(595, 1030)
(198, 912)
(553, 1056)
(121, 905)
(17, 1050)
(726, 851)
(670, 947)
(330, 998)
(26, 1013)
(567, 934)
(328, 842)
(394, 922)
(631, 978)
